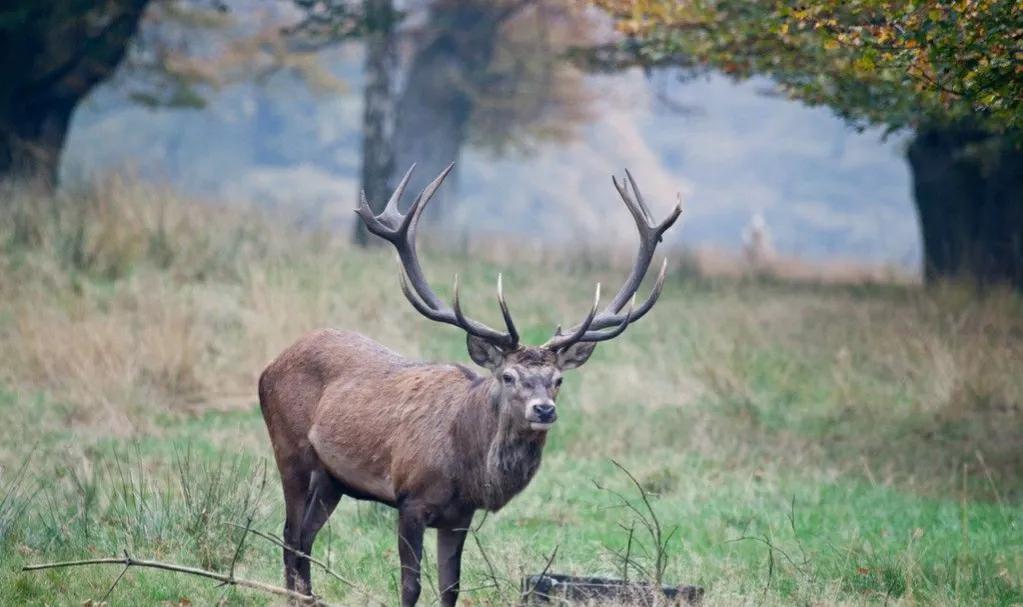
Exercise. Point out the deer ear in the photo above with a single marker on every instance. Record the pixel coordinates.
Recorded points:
(575, 355)
(484, 353)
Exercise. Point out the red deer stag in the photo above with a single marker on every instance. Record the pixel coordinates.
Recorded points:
(347, 416)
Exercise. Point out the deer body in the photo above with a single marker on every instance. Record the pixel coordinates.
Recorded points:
(386, 426)
(347, 416)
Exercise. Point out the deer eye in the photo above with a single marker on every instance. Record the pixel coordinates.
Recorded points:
(557, 383)
(508, 378)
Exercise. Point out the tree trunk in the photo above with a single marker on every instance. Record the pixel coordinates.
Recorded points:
(968, 188)
(439, 93)
(54, 53)
(379, 105)
(31, 143)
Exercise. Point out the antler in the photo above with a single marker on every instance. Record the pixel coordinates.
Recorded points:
(611, 322)
(400, 230)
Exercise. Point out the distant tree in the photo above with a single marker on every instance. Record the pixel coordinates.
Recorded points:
(951, 71)
(375, 22)
(379, 106)
(490, 73)
(54, 53)
(486, 72)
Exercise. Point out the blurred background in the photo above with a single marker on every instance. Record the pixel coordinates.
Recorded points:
(298, 105)
(828, 397)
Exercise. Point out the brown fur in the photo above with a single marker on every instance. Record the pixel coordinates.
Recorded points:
(347, 416)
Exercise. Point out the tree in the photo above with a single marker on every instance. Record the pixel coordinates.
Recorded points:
(951, 71)
(483, 72)
(379, 107)
(54, 54)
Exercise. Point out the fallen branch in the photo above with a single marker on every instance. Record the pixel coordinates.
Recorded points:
(279, 543)
(128, 561)
(326, 569)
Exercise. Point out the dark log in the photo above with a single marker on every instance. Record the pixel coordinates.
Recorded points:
(559, 589)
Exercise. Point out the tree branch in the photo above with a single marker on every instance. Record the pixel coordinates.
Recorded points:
(128, 561)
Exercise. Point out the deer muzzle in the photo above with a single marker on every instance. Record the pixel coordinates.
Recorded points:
(542, 414)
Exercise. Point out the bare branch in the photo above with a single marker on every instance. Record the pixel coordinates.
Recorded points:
(539, 578)
(326, 569)
(129, 561)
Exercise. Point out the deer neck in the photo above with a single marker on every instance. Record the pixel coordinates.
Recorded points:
(507, 454)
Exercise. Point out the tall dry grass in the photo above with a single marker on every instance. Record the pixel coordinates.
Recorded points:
(122, 301)
(125, 302)
(129, 312)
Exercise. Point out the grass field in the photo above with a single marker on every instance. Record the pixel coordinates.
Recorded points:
(839, 445)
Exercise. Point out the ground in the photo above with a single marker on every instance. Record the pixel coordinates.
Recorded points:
(800, 444)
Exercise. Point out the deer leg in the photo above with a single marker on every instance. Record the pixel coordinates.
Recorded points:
(324, 494)
(295, 481)
(411, 526)
(449, 560)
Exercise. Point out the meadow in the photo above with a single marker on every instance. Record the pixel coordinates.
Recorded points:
(802, 444)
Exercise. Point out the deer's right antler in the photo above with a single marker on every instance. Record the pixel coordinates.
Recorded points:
(611, 322)
(400, 230)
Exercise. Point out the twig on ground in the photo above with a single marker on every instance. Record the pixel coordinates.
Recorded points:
(129, 561)
(628, 553)
(486, 559)
(280, 543)
(649, 520)
(539, 578)
(326, 569)
(241, 544)
(116, 581)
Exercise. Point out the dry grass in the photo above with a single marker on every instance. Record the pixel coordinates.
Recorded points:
(125, 302)
(129, 316)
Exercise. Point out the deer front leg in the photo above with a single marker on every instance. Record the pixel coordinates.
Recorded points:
(411, 526)
(449, 560)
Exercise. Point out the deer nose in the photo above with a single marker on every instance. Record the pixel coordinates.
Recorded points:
(545, 411)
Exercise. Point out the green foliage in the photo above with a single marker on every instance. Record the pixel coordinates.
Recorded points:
(890, 62)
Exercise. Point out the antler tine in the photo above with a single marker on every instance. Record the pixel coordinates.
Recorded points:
(479, 329)
(400, 230)
(508, 322)
(560, 342)
(391, 208)
(594, 336)
(457, 306)
(640, 213)
(639, 197)
(609, 320)
(415, 211)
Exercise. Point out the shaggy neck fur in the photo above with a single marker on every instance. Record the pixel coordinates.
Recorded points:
(506, 453)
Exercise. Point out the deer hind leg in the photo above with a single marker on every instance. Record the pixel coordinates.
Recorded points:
(411, 526)
(295, 481)
(323, 495)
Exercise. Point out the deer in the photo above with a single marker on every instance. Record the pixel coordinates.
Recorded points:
(437, 441)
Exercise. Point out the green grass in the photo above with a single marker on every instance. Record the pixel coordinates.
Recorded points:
(811, 445)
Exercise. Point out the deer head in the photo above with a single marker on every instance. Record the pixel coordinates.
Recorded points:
(528, 377)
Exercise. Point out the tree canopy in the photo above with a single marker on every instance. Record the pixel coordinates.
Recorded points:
(896, 63)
